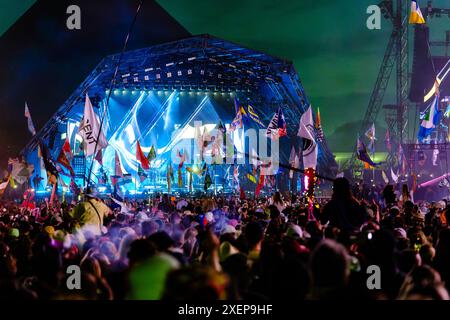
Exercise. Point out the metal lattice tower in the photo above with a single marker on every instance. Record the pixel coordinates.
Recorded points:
(396, 54)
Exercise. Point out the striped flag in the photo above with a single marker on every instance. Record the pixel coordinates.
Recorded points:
(277, 126)
(319, 131)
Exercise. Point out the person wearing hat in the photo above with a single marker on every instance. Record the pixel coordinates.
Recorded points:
(91, 212)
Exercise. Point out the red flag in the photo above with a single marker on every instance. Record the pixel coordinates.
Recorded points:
(99, 157)
(260, 185)
(141, 158)
(241, 193)
(66, 148)
(62, 159)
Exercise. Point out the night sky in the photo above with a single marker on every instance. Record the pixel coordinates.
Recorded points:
(336, 56)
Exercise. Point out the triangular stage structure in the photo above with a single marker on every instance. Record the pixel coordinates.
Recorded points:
(163, 90)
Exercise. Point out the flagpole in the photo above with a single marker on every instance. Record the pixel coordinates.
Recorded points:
(113, 83)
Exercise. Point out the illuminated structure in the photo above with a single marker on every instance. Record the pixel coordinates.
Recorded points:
(162, 90)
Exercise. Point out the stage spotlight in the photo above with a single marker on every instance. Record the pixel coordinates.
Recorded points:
(133, 92)
(116, 91)
(124, 92)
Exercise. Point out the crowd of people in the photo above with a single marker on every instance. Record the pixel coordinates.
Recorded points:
(227, 247)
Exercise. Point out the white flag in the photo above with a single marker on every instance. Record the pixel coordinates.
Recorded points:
(294, 162)
(394, 176)
(89, 130)
(306, 132)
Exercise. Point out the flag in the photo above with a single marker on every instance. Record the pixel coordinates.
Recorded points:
(182, 157)
(294, 162)
(402, 159)
(363, 155)
(11, 163)
(260, 185)
(236, 104)
(49, 164)
(12, 183)
(62, 159)
(394, 176)
(416, 16)
(117, 170)
(3, 186)
(370, 134)
(251, 177)
(141, 158)
(73, 187)
(20, 171)
(237, 121)
(319, 131)
(117, 166)
(251, 114)
(306, 132)
(277, 126)
(99, 157)
(385, 177)
(430, 119)
(387, 140)
(126, 178)
(151, 154)
(29, 120)
(68, 150)
(208, 181)
(89, 130)
(142, 175)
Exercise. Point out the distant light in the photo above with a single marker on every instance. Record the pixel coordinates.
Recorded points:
(198, 92)
(124, 92)
(107, 91)
(133, 92)
(159, 92)
(431, 175)
(116, 91)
